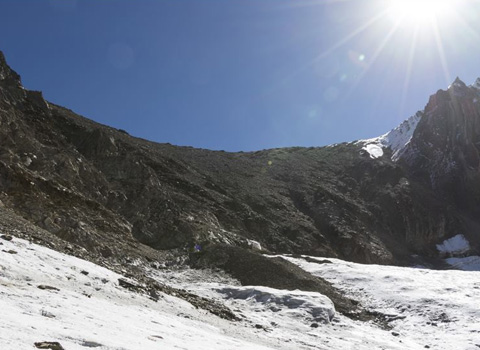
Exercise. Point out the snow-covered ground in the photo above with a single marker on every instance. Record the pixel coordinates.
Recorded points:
(93, 311)
(89, 309)
(438, 309)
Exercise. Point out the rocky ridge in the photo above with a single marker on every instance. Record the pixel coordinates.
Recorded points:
(108, 192)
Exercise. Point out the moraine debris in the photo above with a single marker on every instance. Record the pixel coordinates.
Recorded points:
(6, 237)
(52, 345)
(45, 287)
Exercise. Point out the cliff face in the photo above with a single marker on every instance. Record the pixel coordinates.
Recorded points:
(444, 152)
(103, 189)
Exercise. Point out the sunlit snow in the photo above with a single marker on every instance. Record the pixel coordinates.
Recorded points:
(396, 139)
(438, 309)
(302, 305)
(375, 151)
(93, 309)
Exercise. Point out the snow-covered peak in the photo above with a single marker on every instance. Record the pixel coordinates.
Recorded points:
(458, 87)
(458, 83)
(396, 139)
(476, 84)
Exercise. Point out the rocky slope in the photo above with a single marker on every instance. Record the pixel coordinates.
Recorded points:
(106, 191)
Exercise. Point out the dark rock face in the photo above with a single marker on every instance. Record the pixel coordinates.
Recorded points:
(448, 140)
(7, 75)
(444, 156)
(103, 189)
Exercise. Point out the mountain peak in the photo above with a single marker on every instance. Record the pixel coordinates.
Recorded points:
(476, 84)
(458, 80)
(7, 74)
(457, 83)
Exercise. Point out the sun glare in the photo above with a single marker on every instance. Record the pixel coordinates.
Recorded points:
(420, 11)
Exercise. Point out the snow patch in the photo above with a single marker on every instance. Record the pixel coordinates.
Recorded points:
(469, 263)
(254, 244)
(298, 304)
(397, 139)
(454, 245)
(375, 151)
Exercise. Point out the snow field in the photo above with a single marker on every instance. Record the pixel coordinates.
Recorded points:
(426, 308)
(439, 309)
(93, 311)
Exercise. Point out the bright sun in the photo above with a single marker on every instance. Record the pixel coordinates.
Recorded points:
(420, 11)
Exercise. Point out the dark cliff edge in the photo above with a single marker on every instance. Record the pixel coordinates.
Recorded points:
(103, 189)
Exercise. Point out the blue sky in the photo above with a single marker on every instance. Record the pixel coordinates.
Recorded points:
(240, 74)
